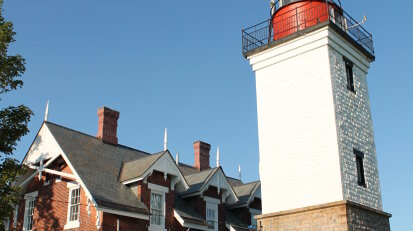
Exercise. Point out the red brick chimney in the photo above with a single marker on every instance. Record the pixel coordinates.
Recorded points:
(108, 125)
(201, 153)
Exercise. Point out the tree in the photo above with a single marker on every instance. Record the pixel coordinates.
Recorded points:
(13, 120)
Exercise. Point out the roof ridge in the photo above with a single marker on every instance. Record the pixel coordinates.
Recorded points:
(252, 182)
(85, 134)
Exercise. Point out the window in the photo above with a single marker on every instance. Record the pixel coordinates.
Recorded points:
(349, 74)
(29, 211)
(253, 221)
(156, 209)
(360, 168)
(212, 213)
(73, 209)
(7, 224)
(210, 218)
(157, 206)
(74, 204)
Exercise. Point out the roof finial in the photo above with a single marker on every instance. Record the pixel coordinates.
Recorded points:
(177, 159)
(165, 140)
(46, 114)
(239, 172)
(217, 156)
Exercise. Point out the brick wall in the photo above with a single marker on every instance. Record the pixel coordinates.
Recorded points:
(338, 216)
(355, 130)
(244, 214)
(51, 204)
(110, 222)
(145, 193)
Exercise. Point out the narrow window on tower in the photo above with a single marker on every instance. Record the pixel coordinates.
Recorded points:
(349, 74)
(360, 168)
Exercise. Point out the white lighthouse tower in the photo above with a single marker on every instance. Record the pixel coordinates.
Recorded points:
(318, 164)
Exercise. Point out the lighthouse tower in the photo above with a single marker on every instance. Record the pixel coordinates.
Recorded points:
(318, 164)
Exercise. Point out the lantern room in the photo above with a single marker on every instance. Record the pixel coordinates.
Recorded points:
(291, 16)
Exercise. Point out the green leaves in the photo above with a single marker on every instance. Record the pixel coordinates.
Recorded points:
(13, 121)
(13, 125)
(10, 169)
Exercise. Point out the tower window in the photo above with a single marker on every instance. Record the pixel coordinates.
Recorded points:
(349, 74)
(360, 168)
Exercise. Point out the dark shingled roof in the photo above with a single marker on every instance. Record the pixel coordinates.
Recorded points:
(188, 213)
(244, 192)
(234, 182)
(235, 221)
(98, 165)
(197, 181)
(187, 169)
(136, 168)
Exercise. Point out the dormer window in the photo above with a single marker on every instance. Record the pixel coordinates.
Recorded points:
(157, 207)
(210, 217)
(212, 213)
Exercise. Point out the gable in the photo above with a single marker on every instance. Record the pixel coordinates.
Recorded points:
(162, 162)
(44, 147)
(212, 177)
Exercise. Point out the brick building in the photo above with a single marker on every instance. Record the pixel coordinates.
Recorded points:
(80, 182)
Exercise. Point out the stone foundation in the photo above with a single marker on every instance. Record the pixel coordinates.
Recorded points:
(341, 215)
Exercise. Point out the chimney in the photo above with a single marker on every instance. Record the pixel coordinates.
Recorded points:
(201, 153)
(108, 125)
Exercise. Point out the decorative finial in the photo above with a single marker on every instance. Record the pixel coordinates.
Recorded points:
(177, 159)
(165, 140)
(218, 156)
(239, 172)
(46, 114)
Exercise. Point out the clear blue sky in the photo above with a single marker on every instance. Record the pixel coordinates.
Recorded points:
(178, 64)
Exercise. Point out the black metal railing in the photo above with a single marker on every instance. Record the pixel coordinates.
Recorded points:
(305, 16)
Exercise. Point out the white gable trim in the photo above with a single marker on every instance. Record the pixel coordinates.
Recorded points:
(255, 194)
(220, 181)
(212, 200)
(164, 164)
(55, 147)
(158, 188)
(123, 213)
(188, 225)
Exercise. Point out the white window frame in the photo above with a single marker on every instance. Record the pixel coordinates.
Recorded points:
(16, 213)
(72, 224)
(159, 190)
(7, 224)
(212, 204)
(254, 212)
(29, 197)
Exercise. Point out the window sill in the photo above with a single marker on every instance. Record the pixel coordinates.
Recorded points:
(156, 228)
(72, 225)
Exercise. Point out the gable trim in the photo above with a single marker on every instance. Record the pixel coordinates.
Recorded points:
(123, 213)
(149, 171)
(187, 224)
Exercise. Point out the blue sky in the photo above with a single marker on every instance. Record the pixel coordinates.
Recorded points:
(178, 64)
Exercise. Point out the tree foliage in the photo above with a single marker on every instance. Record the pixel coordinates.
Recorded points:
(13, 120)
